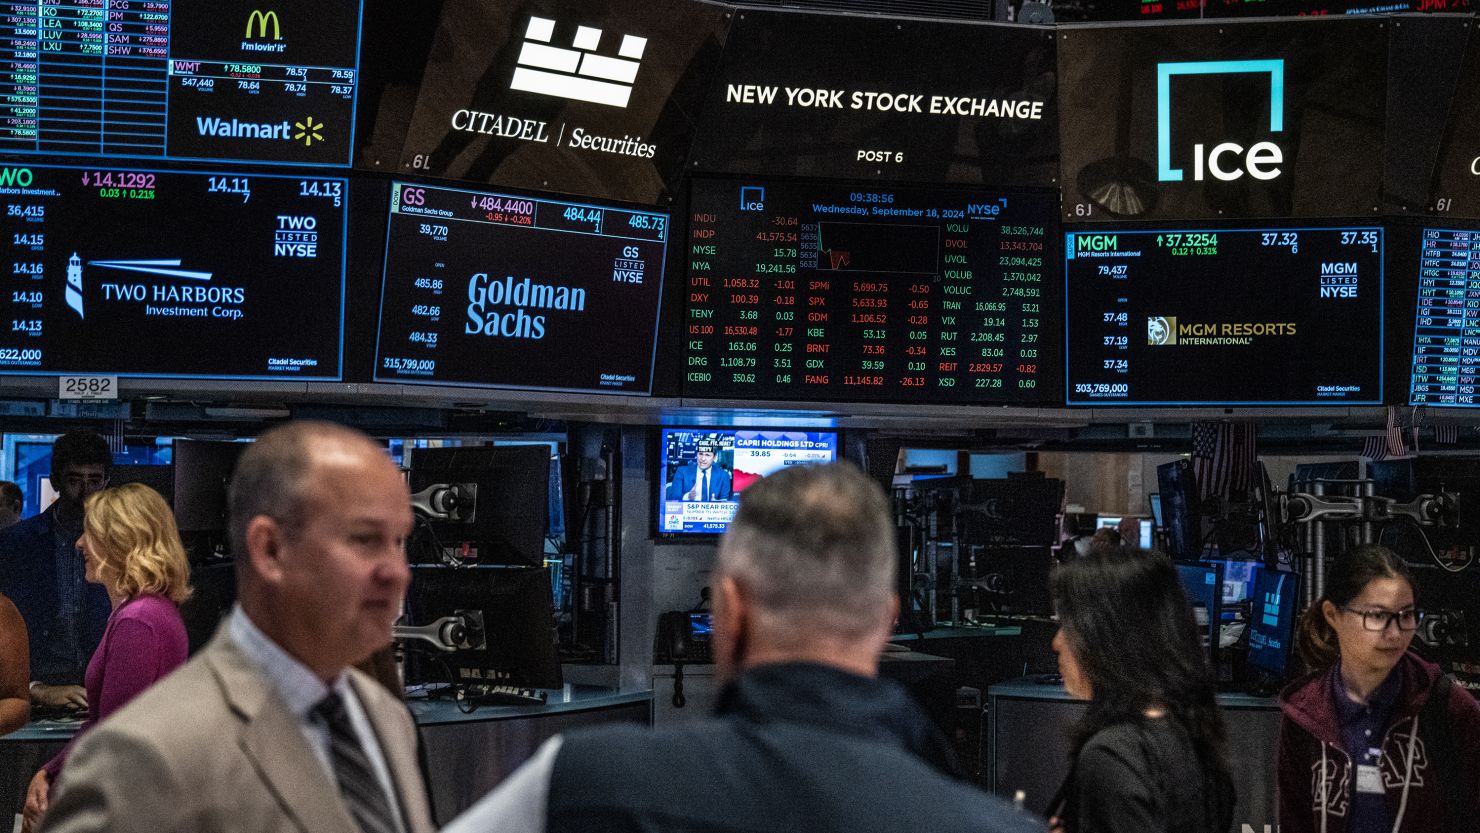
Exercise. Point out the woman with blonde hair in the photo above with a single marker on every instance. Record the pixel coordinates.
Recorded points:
(132, 548)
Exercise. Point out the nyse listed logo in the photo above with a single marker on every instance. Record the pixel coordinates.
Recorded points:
(1161, 330)
(296, 236)
(577, 73)
(1339, 280)
(1261, 160)
(74, 284)
(629, 268)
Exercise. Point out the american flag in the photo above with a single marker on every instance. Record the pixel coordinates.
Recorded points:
(1446, 434)
(1388, 445)
(1224, 457)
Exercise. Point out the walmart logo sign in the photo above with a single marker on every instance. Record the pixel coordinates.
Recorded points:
(1260, 161)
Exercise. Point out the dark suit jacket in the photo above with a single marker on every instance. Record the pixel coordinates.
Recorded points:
(685, 478)
(28, 575)
(213, 749)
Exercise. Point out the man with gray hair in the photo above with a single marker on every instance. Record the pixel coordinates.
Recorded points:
(804, 737)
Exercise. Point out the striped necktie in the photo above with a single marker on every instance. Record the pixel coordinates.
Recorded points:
(362, 791)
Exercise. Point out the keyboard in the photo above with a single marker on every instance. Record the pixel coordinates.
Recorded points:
(503, 695)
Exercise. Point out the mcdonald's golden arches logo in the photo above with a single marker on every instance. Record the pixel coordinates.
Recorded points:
(260, 19)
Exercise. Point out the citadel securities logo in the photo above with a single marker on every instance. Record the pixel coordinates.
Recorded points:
(1161, 330)
(1260, 161)
(577, 73)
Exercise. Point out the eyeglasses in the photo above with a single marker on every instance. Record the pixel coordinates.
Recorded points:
(1378, 620)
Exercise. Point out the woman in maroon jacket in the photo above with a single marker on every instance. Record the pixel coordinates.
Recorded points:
(132, 547)
(1358, 751)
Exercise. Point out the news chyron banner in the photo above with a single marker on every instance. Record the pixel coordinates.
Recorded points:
(591, 97)
(499, 290)
(1455, 189)
(841, 96)
(1239, 120)
(148, 272)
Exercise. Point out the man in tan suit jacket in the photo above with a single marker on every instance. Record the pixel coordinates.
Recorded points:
(268, 730)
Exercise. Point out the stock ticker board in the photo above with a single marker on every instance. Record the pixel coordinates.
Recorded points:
(154, 273)
(818, 292)
(1273, 316)
(1446, 336)
(220, 80)
(500, 290)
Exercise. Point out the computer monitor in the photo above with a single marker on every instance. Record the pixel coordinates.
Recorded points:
(1156, 516)
(1183, 510)
(1203, 584)
(202, 470)
(160, 478)
(510, 634)
(1143, 539)
(1272, 626)
(486, 504)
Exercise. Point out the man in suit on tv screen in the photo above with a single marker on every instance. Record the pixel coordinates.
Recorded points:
(702, 480)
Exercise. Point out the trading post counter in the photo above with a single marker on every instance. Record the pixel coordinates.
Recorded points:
(1028, 746)
(467, 754)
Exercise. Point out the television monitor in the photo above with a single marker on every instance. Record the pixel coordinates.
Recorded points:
(1214, 316)
(510, 635)
(1203, 584)
(1181, 507)
(1272, 624)
(821, 291)
(202, 471)
(1445, 370)
(728, 460)
(485, 504)
(483, 289)
(173, 274)
(231, 79)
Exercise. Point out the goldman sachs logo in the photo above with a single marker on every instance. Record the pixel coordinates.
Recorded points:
(1260, 161)
(577, 73)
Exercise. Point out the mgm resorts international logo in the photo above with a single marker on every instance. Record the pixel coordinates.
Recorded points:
(577, 73)
(1261, 160)
(160, 298)
(1164, 331)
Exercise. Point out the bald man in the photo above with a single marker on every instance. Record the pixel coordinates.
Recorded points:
(269, 729)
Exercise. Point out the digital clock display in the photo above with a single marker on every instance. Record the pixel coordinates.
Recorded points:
(815, 292)
(1277, 316)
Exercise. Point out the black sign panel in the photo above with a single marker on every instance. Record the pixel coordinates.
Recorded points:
(1273, 316)
(1456, 189)
(1426, 55)
(155, 273)
(815, 292)
(1193, 121)
(593, 97)
(509, 291)
(229, 79)
(869, 98)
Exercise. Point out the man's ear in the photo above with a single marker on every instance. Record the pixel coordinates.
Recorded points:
(731, 621)
(265, 548)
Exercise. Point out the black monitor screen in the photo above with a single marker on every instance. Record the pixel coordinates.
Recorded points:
(808, 291)
(1287, 316)
(1272, 622)
(510, 626)
(1203, 584)
(503, 291)
(1446, 333)
(202, 471)
(170, 274)
(228, 79)
(1181, 508)
(502, 498)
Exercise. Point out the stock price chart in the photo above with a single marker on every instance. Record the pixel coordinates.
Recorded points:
(500, 290)
(815, 292)
(1286, 316)
(227, 80)
(168, 274)
(1446, 336)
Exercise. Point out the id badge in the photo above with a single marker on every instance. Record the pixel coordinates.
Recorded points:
(1369, 779)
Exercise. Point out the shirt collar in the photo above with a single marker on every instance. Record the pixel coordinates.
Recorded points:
(298, 687)
(1380, 702)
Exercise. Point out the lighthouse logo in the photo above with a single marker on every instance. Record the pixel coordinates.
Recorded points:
(74, 284)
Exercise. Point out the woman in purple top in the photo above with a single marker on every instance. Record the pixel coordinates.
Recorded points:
(132, 548)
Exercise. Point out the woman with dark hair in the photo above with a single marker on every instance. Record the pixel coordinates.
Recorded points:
(1359, 750)
(1150, 754)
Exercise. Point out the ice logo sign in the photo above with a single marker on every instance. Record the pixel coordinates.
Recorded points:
(577, 73)
(1260, 161)
(74, 284)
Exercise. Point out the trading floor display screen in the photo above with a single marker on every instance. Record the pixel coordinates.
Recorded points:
(225, 79)
(1286, 316)
(815, 292)
(1446, 335)
(155, 273)
(498, 290)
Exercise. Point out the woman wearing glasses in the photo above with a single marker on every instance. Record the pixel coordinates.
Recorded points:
(1358, 751)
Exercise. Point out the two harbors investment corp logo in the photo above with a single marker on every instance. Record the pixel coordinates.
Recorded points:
(1226, 161)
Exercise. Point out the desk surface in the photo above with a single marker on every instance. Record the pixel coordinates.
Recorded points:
(572, 698)
(1030, 688)
(962, 632)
